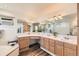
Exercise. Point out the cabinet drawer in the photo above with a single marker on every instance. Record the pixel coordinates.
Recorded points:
(58, 43)
(71, 46)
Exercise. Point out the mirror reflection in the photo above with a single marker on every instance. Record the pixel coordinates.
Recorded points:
(63, 26)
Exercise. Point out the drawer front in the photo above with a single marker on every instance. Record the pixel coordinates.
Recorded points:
(14, 53)
(58, 43)
(69, 52)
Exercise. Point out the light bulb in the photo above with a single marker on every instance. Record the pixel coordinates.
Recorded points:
(60, 17)
(55, 18)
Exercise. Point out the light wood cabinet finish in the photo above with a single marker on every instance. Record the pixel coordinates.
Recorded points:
(23, 42)
(58, 48)
(26, 27)
(69, 49)
(77, 50)
(45, 43)
(51, 46)
(78, 29)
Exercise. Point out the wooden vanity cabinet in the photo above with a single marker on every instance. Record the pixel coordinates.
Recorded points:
(58, 48)
(23, 42)
(45, 43)
(51, 46)
(69, 49)
(78, 50)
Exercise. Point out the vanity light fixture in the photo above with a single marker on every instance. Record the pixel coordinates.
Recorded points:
(60, 17)
(55, 18)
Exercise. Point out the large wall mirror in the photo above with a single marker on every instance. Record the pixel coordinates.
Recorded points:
(65, 26)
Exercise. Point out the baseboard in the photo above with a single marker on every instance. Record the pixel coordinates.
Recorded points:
(47, 51)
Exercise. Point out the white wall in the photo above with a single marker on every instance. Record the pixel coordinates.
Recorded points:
(9, 34)
(9, 31)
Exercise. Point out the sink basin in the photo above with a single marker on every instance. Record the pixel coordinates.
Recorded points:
(68, 39)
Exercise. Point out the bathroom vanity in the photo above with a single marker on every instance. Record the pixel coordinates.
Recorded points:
(54, 45)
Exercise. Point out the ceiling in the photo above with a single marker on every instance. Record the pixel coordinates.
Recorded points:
(33, 12)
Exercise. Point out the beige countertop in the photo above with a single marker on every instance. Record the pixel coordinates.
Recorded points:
(63, 38)
(6, 49)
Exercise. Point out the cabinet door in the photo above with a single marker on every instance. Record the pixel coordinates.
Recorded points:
(52, 49)
(69, 49)
(59, 48)
(51, 45)
(46, 43)
(69, 52)
(78, 50)
(23, 42)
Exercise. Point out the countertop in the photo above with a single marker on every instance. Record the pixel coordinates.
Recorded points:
(6, 49)
(71, 40)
